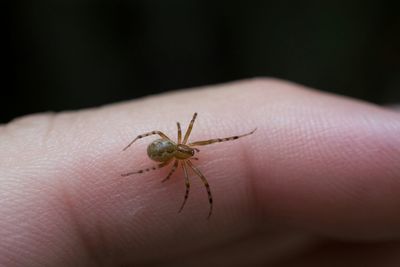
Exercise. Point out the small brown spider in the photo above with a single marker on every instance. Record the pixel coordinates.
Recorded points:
(165, 150)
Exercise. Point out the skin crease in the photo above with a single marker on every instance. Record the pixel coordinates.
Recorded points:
(316, 185)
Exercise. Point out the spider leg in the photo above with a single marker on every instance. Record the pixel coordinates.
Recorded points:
(187, 183)
(171, 171)
(159, 166)
(161, 134)
(189, 129)
(217, 140)
(197, 171)
(179, 132)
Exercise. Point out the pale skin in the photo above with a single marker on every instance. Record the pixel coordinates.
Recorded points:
(165, 150)
(316, 185)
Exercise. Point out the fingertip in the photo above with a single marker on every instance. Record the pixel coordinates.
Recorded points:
(318, 162)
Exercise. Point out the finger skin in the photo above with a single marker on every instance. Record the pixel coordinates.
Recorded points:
(324, 164)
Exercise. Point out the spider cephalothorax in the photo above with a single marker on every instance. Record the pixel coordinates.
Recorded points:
(165, 150)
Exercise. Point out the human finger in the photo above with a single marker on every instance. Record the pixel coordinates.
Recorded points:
(317, 162)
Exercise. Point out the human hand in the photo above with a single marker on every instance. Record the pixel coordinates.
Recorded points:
(318, 184)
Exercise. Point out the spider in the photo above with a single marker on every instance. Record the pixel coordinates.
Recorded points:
(165, 151)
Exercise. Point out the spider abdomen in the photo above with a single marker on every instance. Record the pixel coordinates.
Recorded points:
(161, 150)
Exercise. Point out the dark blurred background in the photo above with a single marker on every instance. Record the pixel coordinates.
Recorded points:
(81, 53)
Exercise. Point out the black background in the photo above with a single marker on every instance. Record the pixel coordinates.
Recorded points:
(81, 53)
